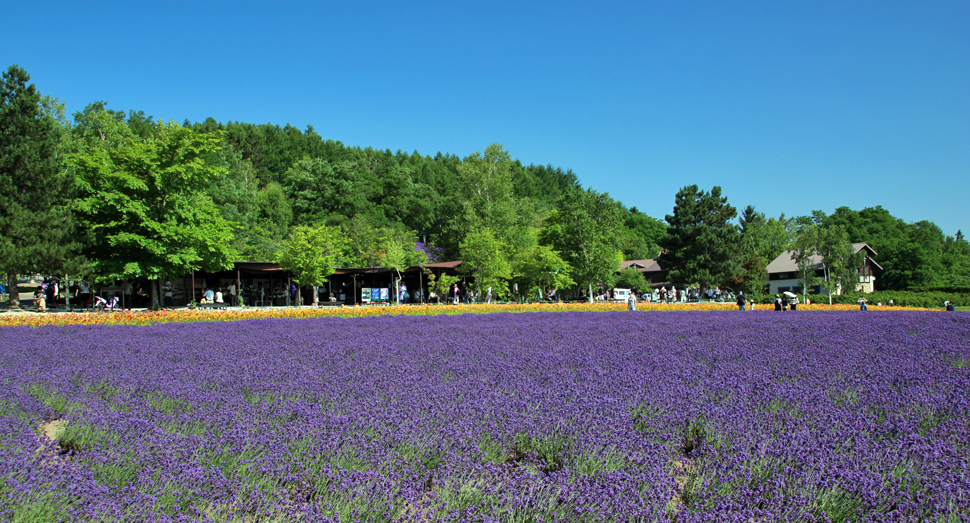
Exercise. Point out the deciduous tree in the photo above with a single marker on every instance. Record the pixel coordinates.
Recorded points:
(587, 229)
(540, 267)
(486, 258)
(311, 254)
(147, 203)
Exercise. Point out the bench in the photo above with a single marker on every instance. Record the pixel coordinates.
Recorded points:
(212, 305)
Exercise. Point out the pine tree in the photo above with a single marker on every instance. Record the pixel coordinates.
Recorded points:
(700, 243)
(35, 225)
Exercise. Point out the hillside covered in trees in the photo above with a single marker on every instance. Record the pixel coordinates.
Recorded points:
(114, 195)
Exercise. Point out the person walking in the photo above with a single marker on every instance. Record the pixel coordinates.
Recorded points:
(794, 302)
(742, 302)
(84, 294)
(126, 294)
(862, 303)
(632, 301)
(777, 302)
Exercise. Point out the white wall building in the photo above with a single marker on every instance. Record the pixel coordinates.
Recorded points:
(783, 273)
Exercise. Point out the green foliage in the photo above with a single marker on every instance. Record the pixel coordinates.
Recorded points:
(839, 258)
(234, 195)
(643, 234)
(701, 244)
(762, 240)
(484, 257)
(633, 279)
(316, 189)
(928, 299)
(371, 244)
(539, 266)
(147, 202)
(549, 452)
(586, 229)
(440, 285)
(485, 195)
(311, 253)
(912, 255)
(803, 253)
(35, 219)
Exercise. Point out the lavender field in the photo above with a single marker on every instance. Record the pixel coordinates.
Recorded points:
(686, 417)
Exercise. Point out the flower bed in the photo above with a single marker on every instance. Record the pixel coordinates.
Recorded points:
(724, 416)
(235, 314)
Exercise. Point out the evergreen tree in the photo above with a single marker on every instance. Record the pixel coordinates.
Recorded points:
(701, 243)
(35, 222)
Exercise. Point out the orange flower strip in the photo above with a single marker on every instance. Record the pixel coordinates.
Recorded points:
(234, 314)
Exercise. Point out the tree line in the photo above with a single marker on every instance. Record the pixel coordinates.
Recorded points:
(703, 244)
(112, 195)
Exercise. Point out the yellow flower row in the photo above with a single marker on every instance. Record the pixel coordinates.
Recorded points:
(233, 314)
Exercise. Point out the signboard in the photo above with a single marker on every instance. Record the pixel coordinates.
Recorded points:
(369, 295)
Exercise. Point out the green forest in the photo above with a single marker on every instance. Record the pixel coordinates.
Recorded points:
(112, 194)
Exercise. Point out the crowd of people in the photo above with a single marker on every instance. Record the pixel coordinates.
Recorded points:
(81, 295)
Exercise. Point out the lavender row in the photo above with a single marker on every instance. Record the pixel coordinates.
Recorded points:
(505, 417)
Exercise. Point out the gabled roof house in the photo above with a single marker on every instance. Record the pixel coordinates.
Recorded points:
(783, 273)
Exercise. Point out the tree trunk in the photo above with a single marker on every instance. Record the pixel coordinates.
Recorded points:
(67, 293)
(14, 292)
(316, 296)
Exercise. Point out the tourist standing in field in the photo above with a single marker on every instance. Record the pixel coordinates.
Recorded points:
(862, 303)
(126, 294)
(168, 293)
(742, 302)
(632, 301)
(794, 302)
(84, 294)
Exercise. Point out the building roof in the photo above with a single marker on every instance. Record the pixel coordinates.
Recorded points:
(443, 265)
(650, 265)
(785, 263)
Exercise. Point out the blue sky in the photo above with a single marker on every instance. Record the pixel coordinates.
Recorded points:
(787, 106)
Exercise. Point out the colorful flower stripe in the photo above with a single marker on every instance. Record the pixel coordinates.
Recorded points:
(235, 314)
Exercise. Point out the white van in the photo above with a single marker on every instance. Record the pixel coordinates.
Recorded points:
(621, 295)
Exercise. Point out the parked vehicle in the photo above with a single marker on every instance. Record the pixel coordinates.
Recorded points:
(621, 295)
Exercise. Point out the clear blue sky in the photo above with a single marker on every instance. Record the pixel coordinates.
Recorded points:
(788, 106)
